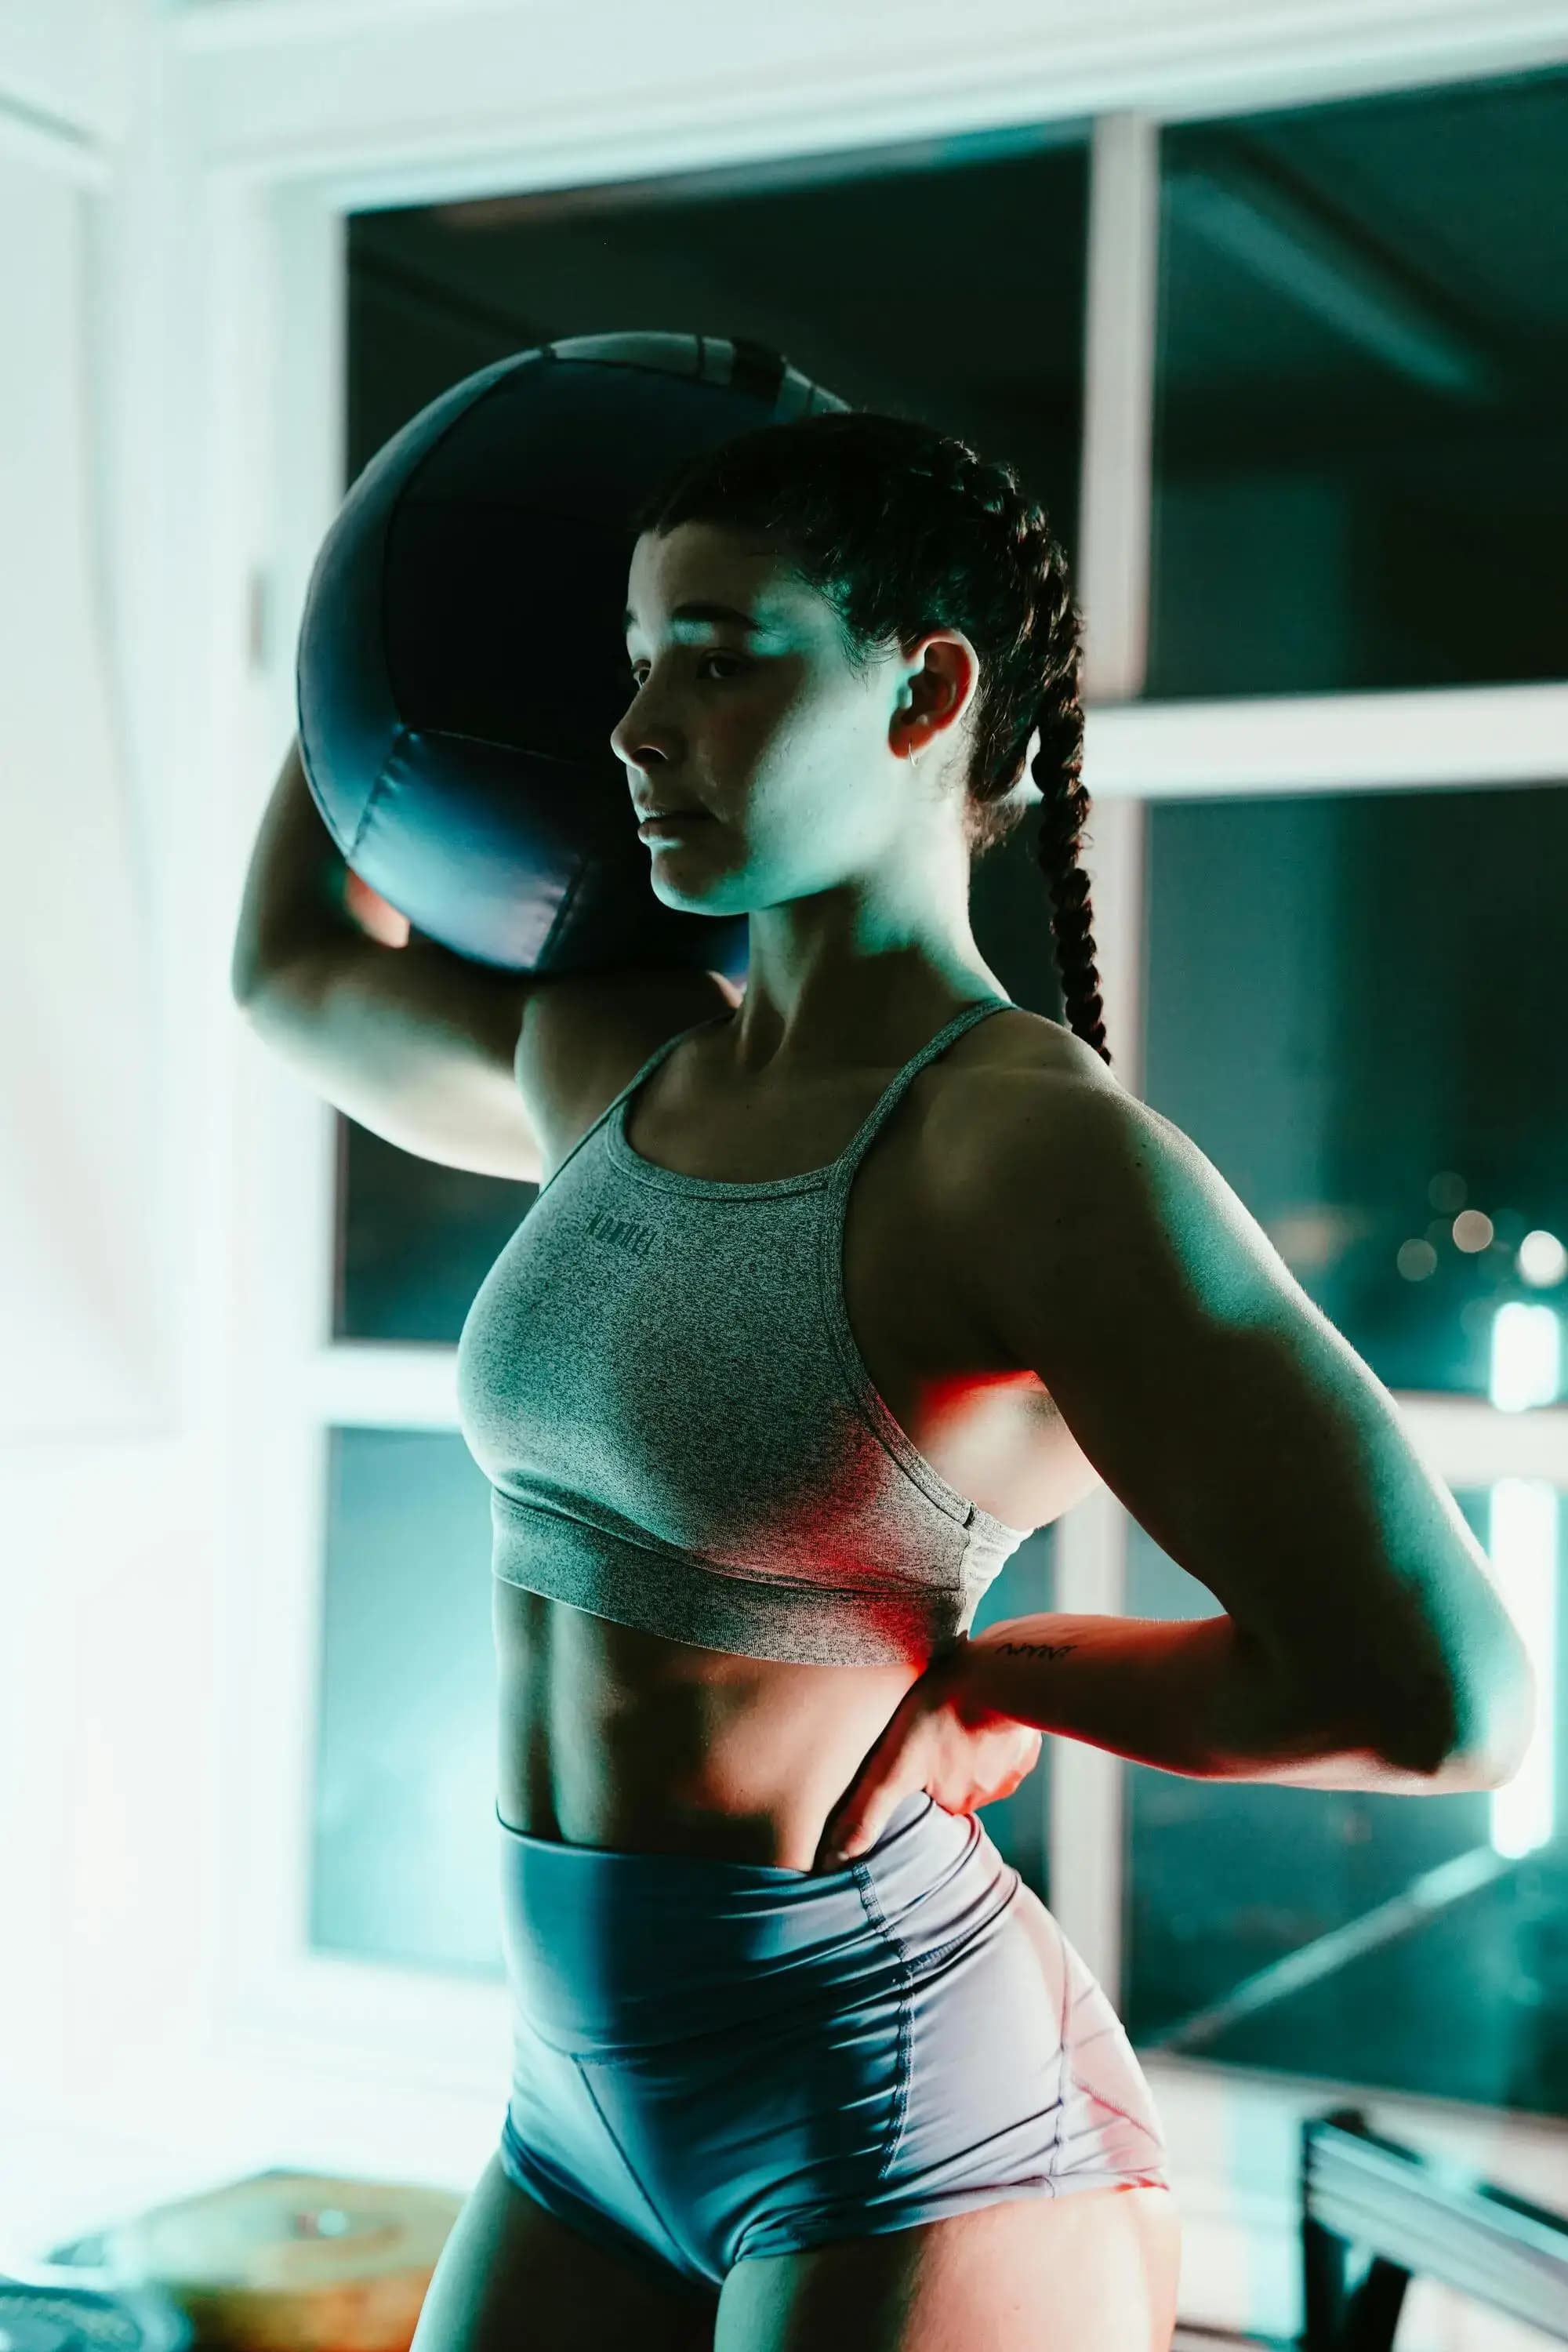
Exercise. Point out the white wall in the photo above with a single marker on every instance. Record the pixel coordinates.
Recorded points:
(77, 1060)
(68, 67)
(157, 447)
(105, 1558)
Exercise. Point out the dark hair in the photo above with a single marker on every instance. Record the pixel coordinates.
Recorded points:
(901, 529)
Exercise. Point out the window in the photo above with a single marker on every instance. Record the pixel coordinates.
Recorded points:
(1362, 474)
(414, 1240)
(1356, 1006)
(1352, 997)
(1406, 1944)
(404, 1853)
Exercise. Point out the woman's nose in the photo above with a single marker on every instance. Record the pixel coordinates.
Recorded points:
(631, 737)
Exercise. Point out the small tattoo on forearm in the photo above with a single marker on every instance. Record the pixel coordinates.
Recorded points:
(1036, 1649)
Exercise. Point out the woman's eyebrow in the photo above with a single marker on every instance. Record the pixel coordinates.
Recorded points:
(707, 612)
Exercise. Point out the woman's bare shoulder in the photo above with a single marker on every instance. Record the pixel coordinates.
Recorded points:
(1016, 1074)
(1020, 1044)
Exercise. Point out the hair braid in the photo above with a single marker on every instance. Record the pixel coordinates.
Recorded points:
(1054, 629)
(1059, 771)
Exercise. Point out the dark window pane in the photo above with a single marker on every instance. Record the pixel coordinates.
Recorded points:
(1413, 1945)
(403, 1859)
(1356, 1007)
(829, 260)
(1361, 458)
(1017, 1825)
(414, 1239)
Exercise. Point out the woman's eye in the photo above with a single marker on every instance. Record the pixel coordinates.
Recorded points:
(732, 660)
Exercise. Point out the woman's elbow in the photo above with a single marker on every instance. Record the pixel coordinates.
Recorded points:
(1495, 1729)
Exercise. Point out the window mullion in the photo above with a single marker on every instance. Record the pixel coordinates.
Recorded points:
(1087, 1784)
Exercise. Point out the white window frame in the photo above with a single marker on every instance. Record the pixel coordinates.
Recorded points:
(273, 172)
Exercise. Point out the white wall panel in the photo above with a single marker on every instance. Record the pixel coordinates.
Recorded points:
(77, 1075)
(66, 65)
(303, 81)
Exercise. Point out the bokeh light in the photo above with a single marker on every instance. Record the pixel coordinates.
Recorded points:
(1542, 1259)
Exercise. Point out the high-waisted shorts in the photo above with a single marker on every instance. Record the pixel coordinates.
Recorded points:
(716, 2059)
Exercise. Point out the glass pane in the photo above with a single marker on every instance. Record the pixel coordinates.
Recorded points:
(1019, 1826)
(414, 1239)
(1361, 457)
(1356, 1007)
(1407, 1944)
(827, 258)
(404, 1856)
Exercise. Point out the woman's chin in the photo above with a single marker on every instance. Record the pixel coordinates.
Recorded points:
(693, 883)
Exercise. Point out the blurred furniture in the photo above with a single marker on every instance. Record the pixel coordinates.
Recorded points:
(280, 2261)
(1415, 2216)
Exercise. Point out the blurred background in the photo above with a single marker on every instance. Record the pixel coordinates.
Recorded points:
(1269, 307)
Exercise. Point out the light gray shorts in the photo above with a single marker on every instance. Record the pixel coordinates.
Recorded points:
(715, 2059)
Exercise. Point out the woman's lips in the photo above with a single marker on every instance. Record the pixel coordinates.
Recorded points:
(673, 824)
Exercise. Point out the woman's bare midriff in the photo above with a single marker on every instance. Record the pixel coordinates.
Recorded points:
(615, 1737)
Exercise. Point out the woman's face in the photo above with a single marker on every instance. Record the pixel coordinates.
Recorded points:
(797, 769)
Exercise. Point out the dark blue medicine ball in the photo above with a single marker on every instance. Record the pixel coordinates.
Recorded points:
(462, 662)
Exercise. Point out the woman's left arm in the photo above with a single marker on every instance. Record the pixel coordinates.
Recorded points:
(1239, 1427)
(1190, 1695)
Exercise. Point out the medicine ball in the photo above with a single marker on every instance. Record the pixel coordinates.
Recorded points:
(461, 659)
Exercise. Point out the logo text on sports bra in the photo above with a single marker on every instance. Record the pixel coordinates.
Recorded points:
(622, 1231)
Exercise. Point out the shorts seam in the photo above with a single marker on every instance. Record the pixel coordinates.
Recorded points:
(967, 1935)
(660, 2224)
(1053, 2154)
(878, 1920)
(1090, 2092)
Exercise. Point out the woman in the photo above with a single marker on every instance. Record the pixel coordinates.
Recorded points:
(831, 1293)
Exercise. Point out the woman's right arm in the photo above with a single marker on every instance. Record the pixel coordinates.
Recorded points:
(450, 1059)
(296, 890)
(415, 1043)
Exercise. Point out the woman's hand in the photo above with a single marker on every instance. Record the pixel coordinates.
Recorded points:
(376, 915)
(938, 1739)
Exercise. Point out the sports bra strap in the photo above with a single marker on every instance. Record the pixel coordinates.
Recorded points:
(892, 1095)
(647, 1071)
(843, 1167)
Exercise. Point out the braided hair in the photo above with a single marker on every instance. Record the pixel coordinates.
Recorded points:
(900, 528)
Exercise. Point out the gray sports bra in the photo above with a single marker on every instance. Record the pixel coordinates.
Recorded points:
(658, 1378)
